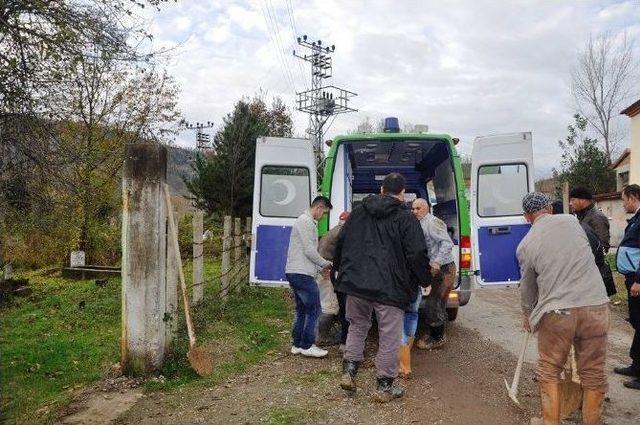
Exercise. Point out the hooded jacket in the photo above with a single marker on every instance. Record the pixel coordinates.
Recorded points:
(381, 254)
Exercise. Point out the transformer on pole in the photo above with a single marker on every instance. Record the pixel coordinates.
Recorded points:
(320, 102)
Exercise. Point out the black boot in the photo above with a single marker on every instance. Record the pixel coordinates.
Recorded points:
(387, 390)
(633, 371)
(326, 334)
(349, 371)
(634, 385)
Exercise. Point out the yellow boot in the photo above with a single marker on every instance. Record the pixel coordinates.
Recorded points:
(592, 407)
(404, 357)
(550, 401)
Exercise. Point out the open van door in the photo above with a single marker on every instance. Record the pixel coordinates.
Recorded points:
(501, 174)
(284, 186)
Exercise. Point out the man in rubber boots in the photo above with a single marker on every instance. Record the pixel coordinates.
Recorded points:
(563, 299)
(381, 258)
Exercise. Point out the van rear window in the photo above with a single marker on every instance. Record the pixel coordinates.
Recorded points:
(501, 188)
(285, 191)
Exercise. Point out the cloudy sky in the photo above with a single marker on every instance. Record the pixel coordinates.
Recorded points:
(466, 68)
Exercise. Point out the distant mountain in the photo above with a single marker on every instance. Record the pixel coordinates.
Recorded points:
(179, 166)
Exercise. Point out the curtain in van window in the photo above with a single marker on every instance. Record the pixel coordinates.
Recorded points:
(284, 191)
(501, 189)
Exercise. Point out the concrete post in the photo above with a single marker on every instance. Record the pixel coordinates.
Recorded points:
(237, 251)
(172, 300)
(565, 198)
(226, 258)
(143, 259)
(198, 260)
(247, 233)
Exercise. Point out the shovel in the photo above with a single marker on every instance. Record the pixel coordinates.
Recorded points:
(199, 358)
(513, 389)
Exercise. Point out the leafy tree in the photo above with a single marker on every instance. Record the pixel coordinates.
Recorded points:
(222, 182)
(583, 162)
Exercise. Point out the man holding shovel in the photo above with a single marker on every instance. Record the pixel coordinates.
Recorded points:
(564, 300)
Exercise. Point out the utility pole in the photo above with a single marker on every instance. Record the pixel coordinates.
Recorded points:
(203, 139)
(320, 102)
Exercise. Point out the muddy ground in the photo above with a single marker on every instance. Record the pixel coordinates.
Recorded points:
(463, 383)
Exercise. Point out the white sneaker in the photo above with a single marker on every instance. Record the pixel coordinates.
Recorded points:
(295, 350)
(314, 351)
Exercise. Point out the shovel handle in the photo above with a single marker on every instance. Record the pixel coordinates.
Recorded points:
(516, 375)
(176, 252)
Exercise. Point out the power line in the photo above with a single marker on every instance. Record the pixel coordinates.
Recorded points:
(279, 56)
(278, 43)
(294, 28)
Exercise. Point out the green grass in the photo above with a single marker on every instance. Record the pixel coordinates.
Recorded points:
(51, 345)
(285, 416)
(621, 295)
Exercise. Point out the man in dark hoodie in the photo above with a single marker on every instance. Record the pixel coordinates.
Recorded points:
(381, 258)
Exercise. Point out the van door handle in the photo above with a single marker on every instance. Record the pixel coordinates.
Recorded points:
(500, 230)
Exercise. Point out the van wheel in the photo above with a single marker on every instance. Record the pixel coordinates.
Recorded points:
(452, 313)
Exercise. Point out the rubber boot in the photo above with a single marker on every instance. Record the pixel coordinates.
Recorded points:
(387, 390)
(592, 407)
(404, 359)
(349, 371)
(550, 401)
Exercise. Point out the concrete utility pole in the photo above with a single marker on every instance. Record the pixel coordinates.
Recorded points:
(144, 254)
(320, 102)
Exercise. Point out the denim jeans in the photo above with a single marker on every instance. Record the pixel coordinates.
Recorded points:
(411, 319)
(307, 296)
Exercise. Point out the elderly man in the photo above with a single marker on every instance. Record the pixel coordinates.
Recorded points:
(564, 300)
(381, 259)
(443, 267)
(581, 202)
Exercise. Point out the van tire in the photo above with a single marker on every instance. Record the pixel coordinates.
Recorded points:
(452, 313)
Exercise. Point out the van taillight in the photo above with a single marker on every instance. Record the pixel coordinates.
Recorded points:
(465, 252)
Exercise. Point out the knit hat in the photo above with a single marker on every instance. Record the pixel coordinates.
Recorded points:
(534, 202)
(580, 192)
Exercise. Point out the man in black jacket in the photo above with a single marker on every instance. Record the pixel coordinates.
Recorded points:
(381, 258)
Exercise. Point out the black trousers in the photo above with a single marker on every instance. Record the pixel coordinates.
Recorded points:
(634, 319)
(344, 323)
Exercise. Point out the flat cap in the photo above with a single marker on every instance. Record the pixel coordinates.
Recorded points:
(535, 201)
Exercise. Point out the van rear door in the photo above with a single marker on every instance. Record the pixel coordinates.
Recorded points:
(501, 174)
(284, 185)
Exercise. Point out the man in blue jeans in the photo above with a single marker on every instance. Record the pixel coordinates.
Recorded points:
(303, 263)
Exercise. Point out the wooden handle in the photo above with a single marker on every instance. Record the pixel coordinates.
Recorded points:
(523, 349)
(173, 233)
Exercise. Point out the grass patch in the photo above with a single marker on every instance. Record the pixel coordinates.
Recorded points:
(621, 295)
(64, 335)
(285, 416)
(67, 333)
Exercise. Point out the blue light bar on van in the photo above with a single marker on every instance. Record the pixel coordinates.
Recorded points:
(391, 125)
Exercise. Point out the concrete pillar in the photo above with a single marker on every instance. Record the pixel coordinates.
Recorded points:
(144, 256)
(198, 260)
(237, 251)
(226, 258)
(172, 299)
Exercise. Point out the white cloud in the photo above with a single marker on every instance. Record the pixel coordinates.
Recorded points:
(462, 67)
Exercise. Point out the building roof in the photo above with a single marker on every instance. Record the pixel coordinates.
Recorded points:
(622, 157)
(633, 110)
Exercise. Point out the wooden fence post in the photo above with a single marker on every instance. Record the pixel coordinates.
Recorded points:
(247, 233)
(198, 261)
(565, 198)
(171, 311)
(226, 258)
(237, 252)
(143, 259)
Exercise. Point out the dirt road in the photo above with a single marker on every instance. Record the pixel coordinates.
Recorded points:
(460, 384)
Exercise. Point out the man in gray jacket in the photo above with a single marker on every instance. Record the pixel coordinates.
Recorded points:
(563, 299)
(303, 263)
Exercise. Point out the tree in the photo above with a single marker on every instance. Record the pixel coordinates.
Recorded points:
(583, 162)
(601, 82)
(222, 182)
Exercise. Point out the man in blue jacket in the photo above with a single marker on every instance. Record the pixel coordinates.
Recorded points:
(628, 262)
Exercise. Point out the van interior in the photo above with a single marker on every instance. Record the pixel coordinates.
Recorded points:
(427, 165)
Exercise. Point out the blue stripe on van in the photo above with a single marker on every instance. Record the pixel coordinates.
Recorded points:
(498, 262)
(272, 244)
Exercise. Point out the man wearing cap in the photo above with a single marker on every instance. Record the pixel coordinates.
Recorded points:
(581, 202)
(564, 300)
